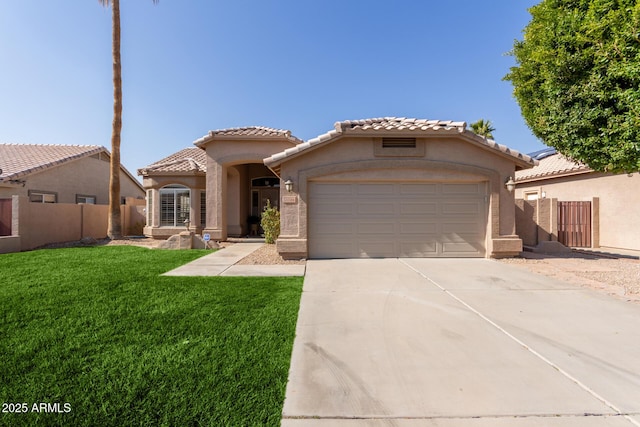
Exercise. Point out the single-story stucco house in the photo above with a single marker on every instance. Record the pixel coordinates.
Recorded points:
(385, 187)
(609, 202)
(46, 190)
(51, 173)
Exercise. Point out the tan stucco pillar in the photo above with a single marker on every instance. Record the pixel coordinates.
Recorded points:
(234, 228)
(595, 222)
(154, 215)
(216, 201)
(504, 242)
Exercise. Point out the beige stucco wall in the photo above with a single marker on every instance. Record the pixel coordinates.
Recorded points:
(535, 221)
(38, 224)
(86, 176)
(619, 202)
(440, 159)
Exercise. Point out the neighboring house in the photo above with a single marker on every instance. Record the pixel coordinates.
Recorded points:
(608, 203)
(61, 174)
(388, 187)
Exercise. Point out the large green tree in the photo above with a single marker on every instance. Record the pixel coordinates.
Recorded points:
(577, 80)
(114, 227)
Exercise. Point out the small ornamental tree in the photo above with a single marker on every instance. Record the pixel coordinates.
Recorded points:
(483, 128)
(270, 223)
(577, 80)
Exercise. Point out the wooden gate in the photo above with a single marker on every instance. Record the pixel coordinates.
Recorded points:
(5, 217)
(574, 224)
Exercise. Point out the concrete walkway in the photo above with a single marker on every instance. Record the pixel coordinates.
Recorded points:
(427, 342)
(222, 263)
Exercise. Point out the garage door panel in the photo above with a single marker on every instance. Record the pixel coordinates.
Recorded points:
(374, 228)
(418, 208)
(332, 248)
(418, 189)
(375, 209)
(376, 248)
(408, 228)
(375, 189)
(325, 228)
(348, 220)
(459, 249)
(471, 209)
(334, 208)
(459, 189)
(417, 249)
(333, 190)
(470, 228)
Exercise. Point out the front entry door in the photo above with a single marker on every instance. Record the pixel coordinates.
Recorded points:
(259, 199)
(270, 194)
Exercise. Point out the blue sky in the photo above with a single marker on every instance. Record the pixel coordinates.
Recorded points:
(198, 65)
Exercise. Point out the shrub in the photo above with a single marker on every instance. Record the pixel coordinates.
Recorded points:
(270, 223)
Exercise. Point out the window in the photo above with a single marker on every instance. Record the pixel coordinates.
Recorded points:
(42, 197)
(175, 203)
(266, 181)
(532, 195)
(255, 203)
(203, 208)
(81, 198)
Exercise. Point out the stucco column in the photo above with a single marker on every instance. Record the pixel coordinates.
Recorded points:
(216, 201)
(194, 209)
(595, 222)
(155, 207)
(504, 240)
(234, 227)
(152, 211)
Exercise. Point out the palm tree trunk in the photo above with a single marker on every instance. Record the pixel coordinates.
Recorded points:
(114, 228)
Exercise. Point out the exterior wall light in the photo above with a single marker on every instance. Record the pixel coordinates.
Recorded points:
(510, 184)
(288, 184)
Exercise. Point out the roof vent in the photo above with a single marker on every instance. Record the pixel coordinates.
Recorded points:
(398, 143)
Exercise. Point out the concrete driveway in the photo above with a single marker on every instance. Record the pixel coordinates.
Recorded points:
(428, 342)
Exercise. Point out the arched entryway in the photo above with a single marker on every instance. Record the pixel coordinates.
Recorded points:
(248, 188)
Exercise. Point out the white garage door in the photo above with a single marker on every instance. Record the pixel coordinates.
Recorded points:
(362, 220)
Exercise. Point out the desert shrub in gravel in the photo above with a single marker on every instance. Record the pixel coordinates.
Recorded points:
(270, 223)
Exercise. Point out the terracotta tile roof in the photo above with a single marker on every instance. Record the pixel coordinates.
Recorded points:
(399, 125)
(18, 160)
(189, 160)
(249, 132)
(553, 165)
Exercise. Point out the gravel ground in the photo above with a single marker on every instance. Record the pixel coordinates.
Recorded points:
(617, 277)
(267, 255)
(130, 241)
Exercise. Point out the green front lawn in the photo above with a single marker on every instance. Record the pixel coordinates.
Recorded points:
(99, 338)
